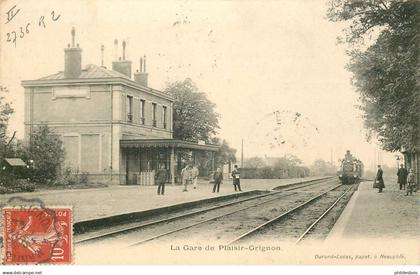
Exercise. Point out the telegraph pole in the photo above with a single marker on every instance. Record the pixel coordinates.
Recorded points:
(331, 156)
(242, 154)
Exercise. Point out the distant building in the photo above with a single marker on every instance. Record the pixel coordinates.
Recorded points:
(114, 128)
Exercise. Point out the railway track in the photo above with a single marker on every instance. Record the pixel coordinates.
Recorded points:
(257, 230)
(211, 219)
(266, 198)
(309, 228)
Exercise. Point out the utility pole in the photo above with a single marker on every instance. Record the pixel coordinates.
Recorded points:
(242, 154)
(331, 157)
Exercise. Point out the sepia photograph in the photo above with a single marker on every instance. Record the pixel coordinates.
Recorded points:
(209, 133)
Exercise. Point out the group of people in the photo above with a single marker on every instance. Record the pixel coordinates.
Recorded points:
(218, 177)
(189, 175)
(405, 177)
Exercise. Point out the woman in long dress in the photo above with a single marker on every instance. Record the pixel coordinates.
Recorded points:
(379, 179)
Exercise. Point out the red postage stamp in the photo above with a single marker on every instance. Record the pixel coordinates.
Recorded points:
(37, 235)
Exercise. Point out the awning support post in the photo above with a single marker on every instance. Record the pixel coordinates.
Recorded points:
(172, 165)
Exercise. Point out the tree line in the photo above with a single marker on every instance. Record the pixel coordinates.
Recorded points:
(384, 44)
(287, 166)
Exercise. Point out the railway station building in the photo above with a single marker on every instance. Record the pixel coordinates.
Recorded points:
(115, 128)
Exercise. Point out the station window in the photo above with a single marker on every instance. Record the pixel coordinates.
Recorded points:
(142, 118)
(164, 114)
(154, 106)
(129, 108)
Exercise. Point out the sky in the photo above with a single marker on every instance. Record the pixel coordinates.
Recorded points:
(273, 68)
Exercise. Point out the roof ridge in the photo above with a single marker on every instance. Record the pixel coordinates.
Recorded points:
(109, 72)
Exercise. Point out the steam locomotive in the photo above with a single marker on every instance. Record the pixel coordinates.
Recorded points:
(351, 169)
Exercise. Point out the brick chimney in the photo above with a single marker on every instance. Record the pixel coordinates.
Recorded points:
(122, 66)
(72, 58)
(141, 76)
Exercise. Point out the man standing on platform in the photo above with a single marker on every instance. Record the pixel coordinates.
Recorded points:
(379, 179)
(218, 177)
(236, 178)
(186, 176)
(402, 177)
(195, 172)
(161, 178)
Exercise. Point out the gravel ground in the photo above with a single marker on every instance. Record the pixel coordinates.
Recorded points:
(321, 230)
(291, 227)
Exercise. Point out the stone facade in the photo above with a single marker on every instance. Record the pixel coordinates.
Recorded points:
(93, 118)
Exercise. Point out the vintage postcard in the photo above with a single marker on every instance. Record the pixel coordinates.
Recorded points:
(209, 132)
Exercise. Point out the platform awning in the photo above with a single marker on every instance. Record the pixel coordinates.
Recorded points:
(166, 143)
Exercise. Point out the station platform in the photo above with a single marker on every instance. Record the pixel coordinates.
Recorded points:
(370, 215)
(98, 203)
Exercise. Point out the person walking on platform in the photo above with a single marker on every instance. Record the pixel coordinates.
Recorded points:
(161, 178)
(402, 177)
(195, 172)
(379, 179)
(411, 183)
(217, 177)
(236, 179)
(186, 176)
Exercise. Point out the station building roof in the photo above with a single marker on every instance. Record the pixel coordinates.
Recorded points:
(90, 71)
(93, 74)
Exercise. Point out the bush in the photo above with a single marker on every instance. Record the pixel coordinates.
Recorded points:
(268, 172)
(68, 177)
(5, 190)
(24, 186)
(47, 154)
(13, 185)
(84, 178)
(7, 179)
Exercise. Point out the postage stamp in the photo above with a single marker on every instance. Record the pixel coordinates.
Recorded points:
(37, 235)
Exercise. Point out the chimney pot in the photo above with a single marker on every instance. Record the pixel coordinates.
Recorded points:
(115, 49)
(73, 35)
(141, 76)
(123, 46)
(121, 65)
(102, 55)
(141, 64)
